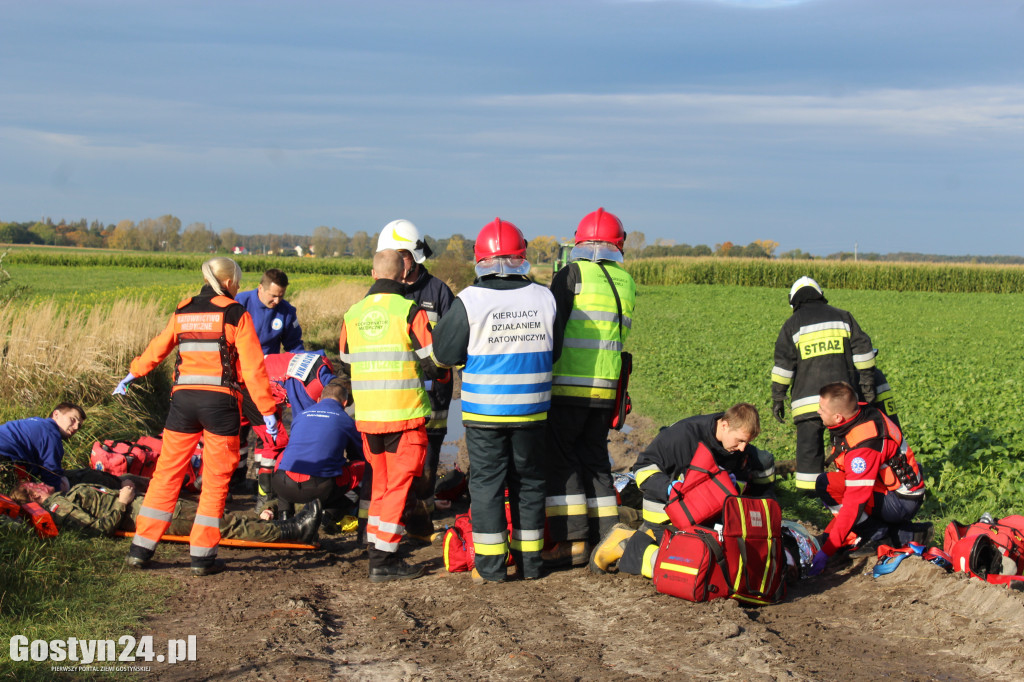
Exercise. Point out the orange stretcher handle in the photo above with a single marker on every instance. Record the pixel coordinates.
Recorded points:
(227, 542)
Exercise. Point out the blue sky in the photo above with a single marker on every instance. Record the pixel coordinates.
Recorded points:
(819, 123)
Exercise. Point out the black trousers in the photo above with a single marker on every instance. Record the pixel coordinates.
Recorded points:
(507, 458)
(581, 502)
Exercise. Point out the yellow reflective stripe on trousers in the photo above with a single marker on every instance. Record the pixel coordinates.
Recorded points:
(602, 507)
(647, 564)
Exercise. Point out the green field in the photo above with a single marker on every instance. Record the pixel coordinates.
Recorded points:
(953, 359)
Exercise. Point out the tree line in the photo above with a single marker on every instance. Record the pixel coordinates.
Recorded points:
(166, 234)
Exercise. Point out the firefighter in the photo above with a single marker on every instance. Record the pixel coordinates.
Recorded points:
(878, 487)
(314, 465)
(502, 329)
(296, 380)
(218, 350)
(434, 296)
(36, 445)
(277, 326)
(724, 439)
(385, 347)
(97, 510)
(594, 297)
(817, 345)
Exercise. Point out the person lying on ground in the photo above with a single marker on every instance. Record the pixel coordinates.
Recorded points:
(36, 445)
(878, 487)
(96, 510)
(687, 449)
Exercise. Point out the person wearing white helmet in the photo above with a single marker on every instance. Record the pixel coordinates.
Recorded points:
(434, 296)
(818, 345)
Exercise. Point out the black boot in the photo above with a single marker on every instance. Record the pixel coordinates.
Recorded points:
(303, 527)
(386, 566)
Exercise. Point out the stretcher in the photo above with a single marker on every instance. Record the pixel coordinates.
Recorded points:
(228, 542)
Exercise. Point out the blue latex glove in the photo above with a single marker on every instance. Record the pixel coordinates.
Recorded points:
(271, 423)
(818, 563)
(672, 487)
(122, 388)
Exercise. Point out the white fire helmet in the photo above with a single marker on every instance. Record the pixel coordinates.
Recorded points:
(403, 235)
(804, 281)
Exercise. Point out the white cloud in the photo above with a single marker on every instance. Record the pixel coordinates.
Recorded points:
(940, 112)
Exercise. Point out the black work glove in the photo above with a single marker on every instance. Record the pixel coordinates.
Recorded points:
(779, 411)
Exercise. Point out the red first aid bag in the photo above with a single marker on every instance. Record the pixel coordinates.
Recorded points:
(703, 493)
(457, 545)
(691, 565)
(987, 549)
(752, 538)
(120, 457)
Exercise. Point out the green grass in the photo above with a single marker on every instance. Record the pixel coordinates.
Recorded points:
(70, 586)
(953, 359)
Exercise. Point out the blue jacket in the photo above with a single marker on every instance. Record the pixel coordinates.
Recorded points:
(318, 441)
(276, 327)
(35, 443)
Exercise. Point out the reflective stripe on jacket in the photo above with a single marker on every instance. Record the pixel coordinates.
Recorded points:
(588, 370)
(386, 384)
(507, 378)
(217, 349)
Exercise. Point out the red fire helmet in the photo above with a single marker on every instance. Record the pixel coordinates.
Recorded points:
(499, 238)
(601, 226)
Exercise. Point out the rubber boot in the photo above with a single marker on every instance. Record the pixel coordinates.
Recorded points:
(566, 553)
(303, 527)
(609, 550)
(387, 566)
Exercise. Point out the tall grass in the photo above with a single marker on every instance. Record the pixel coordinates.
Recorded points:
(321, 310)
(944, 278)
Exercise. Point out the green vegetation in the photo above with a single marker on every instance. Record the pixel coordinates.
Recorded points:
(830, 274)
(953, 359)
(188, 262)
(70, 586)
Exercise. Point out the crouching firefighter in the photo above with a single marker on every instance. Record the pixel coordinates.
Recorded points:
(878, 487)
(685, 475)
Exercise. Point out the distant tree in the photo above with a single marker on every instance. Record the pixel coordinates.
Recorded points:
(15, 233)
(360, 245)
(321, 235)
(542, 249)
(635, 243)
(46, 231)
(723, 249)
(199, 239)
(337, 242)
(124, 236)
(768, 245)
(702, 250)
(168, 233)
(796, 254)
(228, 239)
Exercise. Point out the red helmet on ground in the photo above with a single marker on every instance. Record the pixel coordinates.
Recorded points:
(499, 238)
(601, 226)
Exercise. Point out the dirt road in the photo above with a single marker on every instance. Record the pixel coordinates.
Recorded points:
(314, 616)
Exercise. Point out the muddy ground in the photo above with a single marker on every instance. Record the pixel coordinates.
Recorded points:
(314, 616)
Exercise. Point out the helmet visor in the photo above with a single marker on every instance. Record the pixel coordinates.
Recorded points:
(595, 251)
(504, 266)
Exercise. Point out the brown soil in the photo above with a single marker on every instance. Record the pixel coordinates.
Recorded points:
(314, 616)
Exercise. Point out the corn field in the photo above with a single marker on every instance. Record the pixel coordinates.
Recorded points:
(944, 278)
(251, 264)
